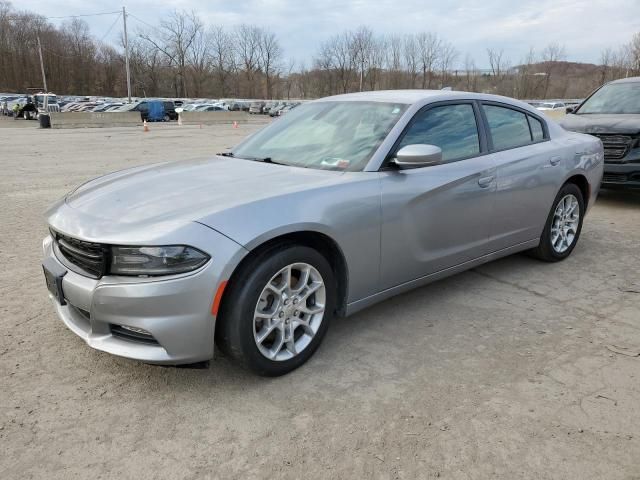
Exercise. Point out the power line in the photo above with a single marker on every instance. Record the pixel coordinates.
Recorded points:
(142, 21)
(111, 27)
(87, 15)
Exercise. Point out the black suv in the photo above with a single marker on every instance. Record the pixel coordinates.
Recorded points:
(612, 113)
(170, 109)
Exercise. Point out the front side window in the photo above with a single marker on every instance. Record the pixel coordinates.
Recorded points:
(453, 128)
(509, 128)
(340, 135)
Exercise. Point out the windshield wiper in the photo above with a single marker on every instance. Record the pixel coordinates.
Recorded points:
(254, 159)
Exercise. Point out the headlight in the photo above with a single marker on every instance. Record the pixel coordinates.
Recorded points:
(165, 260)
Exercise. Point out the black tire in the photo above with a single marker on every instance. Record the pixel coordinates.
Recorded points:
(545, 250)
(166, 118)
(235, 327)
(26, 115)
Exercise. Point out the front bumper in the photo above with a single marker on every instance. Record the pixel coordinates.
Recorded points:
(176, 311)
(621, 175)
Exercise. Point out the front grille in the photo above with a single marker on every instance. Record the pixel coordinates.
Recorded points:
(614, 177)
(90, 258)
(616, 147)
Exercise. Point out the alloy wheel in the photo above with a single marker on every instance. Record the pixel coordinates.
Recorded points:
(289, 311)
(566, 220)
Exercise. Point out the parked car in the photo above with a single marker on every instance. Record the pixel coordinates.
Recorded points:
(104, 107)
(612, 113)
(256, 108)
(169, 111)
(275, 111)
(287, 109)
(551, 106)
(213, 108)
(6, 103)
(268, 106)
(344, 202)
(150, 110)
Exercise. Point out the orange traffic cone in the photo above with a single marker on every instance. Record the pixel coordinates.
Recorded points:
(145, 126)
(235, 124)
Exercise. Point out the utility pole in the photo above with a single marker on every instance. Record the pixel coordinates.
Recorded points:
(126, 54)
(44, 77)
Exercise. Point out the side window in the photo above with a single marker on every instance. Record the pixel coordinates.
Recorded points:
(509, 128)
(453, 128)
(537, 132)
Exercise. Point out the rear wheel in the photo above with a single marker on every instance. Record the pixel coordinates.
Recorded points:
(277, 310)
(167, 118)
(26, 115)
(563, 227)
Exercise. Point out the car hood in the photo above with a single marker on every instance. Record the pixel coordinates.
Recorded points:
(602, 123)
(188, 190)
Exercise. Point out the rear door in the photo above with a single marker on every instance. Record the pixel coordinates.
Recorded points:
(439, 216)
(527, 173)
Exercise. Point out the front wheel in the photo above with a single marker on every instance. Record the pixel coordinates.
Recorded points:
(563, 227)
(277, 310)
(26, 115)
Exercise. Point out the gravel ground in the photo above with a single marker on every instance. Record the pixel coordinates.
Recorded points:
(516, 369)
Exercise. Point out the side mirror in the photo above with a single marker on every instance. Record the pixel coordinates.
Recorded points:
(570, 109)
(418, 155)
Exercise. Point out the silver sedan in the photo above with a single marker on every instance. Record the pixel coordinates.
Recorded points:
(344, 202)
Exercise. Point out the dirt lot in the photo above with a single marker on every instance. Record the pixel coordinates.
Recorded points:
(503, 372)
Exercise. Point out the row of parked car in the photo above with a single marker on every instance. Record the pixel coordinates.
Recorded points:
(28, 106)
(150, 109)
(273, 109)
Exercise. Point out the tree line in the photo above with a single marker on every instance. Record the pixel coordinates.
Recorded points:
(183, 57)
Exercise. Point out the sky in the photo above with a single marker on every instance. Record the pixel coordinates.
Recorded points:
(584, 27)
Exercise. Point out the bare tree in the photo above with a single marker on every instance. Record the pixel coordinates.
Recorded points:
(361, 47)
(200, 59)
(447, 57)
(551, 55)
(411, 59)
(174, 39)
(222, 57)
(471, 73)
(270, 57)
(247, 39)
(497, 62)
(394, 60)
(430, 50)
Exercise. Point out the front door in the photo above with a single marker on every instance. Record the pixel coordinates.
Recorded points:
(439, 216)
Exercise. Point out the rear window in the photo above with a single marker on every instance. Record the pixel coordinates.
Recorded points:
(509, 128)
(537, 132)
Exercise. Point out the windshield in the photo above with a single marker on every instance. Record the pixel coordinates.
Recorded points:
(325, 135)
(614, 98)
(51, 100)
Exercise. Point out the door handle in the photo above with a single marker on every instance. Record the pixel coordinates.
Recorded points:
(555, 160)
(484, 182)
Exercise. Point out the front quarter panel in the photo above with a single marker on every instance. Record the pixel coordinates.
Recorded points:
(347, 211)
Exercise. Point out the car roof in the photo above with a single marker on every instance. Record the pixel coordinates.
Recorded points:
(627, 80)
(414, 96)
